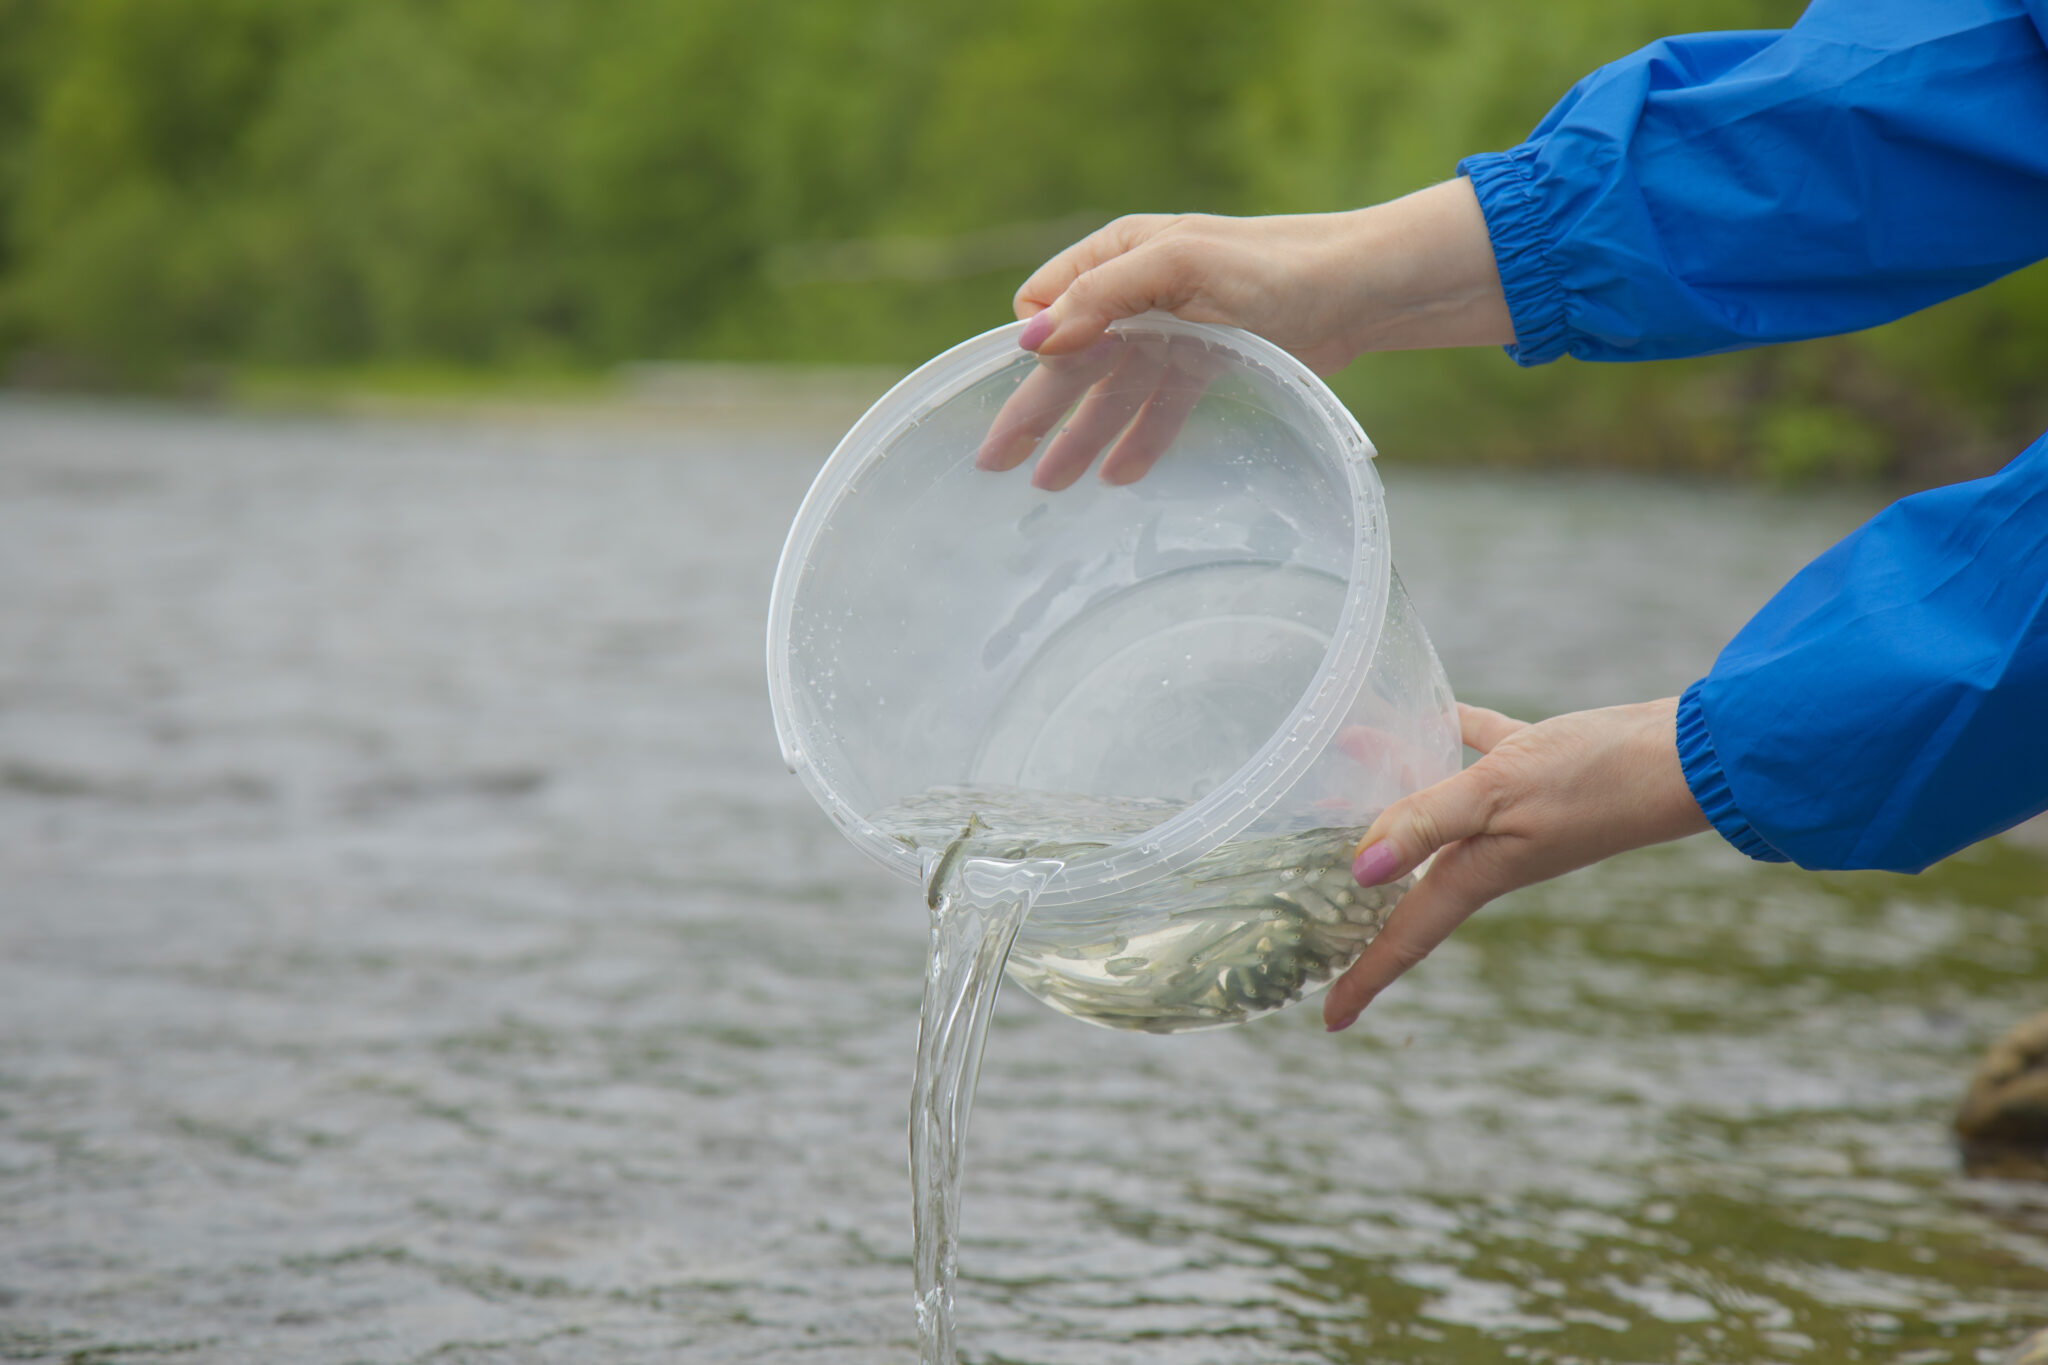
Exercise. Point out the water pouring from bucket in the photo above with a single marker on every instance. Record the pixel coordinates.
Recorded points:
(1170, 698)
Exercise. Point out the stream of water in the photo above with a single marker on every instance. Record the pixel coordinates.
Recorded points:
(1243, 931)
(976, 905)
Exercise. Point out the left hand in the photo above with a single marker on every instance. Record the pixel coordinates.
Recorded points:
(1542, 800)
(1415, 272)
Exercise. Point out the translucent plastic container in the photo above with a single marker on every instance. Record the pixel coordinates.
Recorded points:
(1219, 651)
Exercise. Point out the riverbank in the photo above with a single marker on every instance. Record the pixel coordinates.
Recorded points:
(1718, 419)
(652, 393)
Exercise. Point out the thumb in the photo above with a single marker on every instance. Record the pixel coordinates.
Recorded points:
(1156, 275)
(1416, 826)
(1457, 808)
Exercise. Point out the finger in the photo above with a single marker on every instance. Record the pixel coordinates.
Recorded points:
(1448, 895)
(1389, 757)
(1416, 826)
(1037, 404)
(1161, 420)
(1164, 415)
(1366, 746)
(1106, 410)
(1482, 729)
(1050, 280)
(1156, 275)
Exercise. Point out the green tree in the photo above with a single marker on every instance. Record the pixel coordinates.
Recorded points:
(495, 182)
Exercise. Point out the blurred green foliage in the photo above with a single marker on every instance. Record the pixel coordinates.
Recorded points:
(565, 184)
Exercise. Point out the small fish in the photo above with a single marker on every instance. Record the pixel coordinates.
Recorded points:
(1243, 930)
(935, 886)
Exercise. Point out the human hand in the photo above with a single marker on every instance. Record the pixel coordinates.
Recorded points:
(1544, 799)
(1143, 387)
(1416, 272)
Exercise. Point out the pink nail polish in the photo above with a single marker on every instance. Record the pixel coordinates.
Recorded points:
(1037, 330)
(1375, 864)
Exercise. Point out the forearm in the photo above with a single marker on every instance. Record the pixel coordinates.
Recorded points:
(1423, 270)
(1415, 272)
(1890, 705)
(1723, 190)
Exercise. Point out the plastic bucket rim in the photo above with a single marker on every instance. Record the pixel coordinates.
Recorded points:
(1267, 775)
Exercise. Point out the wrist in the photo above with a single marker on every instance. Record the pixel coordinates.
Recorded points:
(1426, 268)
(1666, 806)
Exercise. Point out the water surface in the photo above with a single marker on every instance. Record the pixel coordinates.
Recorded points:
(412, 948)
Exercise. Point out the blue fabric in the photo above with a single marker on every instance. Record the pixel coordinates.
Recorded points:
(1701, 763)
(1890, 705)
(1732, 189)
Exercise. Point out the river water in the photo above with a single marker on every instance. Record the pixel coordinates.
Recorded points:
(412, 948)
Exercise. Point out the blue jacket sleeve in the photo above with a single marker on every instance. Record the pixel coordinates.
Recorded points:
(1890, 704)
(1735, 189)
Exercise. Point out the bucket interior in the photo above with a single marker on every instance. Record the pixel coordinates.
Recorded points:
(937, 624)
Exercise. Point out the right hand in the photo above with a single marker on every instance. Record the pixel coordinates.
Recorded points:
(1416, 272)
(1542, 800)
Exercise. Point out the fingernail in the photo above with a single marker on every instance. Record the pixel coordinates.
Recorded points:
(1339, 1028)
(1375, 864)
(1037, 330)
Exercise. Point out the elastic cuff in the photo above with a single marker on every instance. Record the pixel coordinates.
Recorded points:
(1709, 783)
(1521, 252)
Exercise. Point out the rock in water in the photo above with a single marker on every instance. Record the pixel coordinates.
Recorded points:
(2032, 1351)
(2002, 1125)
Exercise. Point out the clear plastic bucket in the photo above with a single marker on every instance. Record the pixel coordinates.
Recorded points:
(1221, 645)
